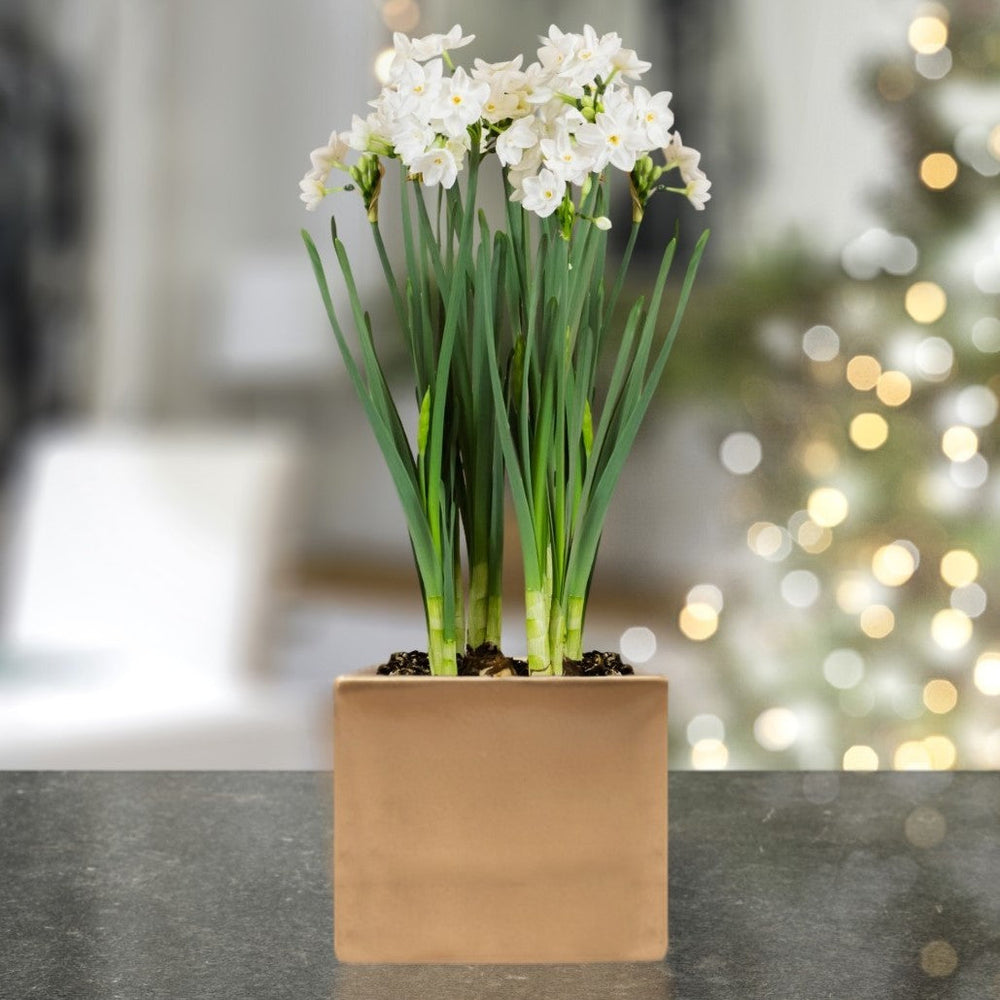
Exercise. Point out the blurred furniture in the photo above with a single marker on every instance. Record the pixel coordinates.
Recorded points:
(140, 577)
(782, 884)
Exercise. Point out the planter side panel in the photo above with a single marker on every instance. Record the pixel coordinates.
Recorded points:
(500, 820)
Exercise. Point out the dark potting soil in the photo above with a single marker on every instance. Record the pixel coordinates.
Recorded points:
(488, 661)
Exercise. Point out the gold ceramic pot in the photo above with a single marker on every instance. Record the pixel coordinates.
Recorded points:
(507, 820)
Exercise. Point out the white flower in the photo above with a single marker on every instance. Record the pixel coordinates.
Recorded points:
(654, 115)
(368, 135)
(612, 138)
(415, 86)
(422, 49)
(603, 223)
(628, 64)
(592, 56)
(557, 49)
(331, 155)
(566, 159)
(436, 166)
(512, 142)
(460, 102)
(696, 189)
(313, 190)
(543, 193)
(410, 137)
(684, 158)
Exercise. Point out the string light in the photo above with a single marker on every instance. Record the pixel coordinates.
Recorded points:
(869, 431)
(863, 371)
(893, 564)
(986, 675)
(893, 388)
(925, 301)
(927, 34)
(959, 443)
(877, 621)
(698, 621)
(959, 567)
(938, 171)
(827, 506)
(709, 755)
(951, 629)
(940, 696)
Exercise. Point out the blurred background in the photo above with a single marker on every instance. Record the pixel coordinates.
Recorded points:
(198, 535)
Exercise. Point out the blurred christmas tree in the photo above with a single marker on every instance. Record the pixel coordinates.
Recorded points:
(868, 454)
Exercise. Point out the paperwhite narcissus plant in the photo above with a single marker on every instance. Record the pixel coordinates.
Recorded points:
(505, 329)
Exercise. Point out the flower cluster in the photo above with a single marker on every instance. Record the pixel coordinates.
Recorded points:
(552, 124)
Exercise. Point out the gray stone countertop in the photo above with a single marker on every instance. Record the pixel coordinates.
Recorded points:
(191, 885)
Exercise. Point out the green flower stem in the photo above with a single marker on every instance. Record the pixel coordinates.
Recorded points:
(479, 604)
(442, 650)
(574, 628)
(536, 609)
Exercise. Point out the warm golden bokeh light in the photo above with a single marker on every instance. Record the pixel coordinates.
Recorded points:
(951, 629)
(927, 35)
(940, 696)
(820, 458)
(911, 755)
(938, 171)
(869, 431)
(698, 621)
(925, 301)
(860, 758)
(959, 443)
(854, 594)
(986, 676)
(893, 388)
(863, 371)
(877, 621)
(709, 755)
(827, 506)
(941, 751)
(893, 564)
(959, 568)
(776, 728)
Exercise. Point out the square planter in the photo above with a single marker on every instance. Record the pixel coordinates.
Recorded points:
(511, 820)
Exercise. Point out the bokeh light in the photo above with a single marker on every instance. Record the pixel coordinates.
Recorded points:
(893, 564)
(820, 458)
(959, 567)
(709, 755)
(951, 629)
(925, 301)
(740, 453)
(927, 34)
(977, 405)
(776, 728)
(383, 64)
(877, 621)
(706, 593)
(869, 431)
(698, 621)
(938, 171)
(637, 644)
(800, 588)
(942, 752)
(940, 696)
(911, 755)
(827, 506)
(863, 371)
(821, 343)
(893, 388)
(400, 15)
(970, 599)
(986, 675)
(860, 758)
(769, 541)
(959, 443)
(934, 358)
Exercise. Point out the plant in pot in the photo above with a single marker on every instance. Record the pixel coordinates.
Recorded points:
(518, 819)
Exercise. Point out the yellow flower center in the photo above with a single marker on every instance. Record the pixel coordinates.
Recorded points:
(456, 99)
